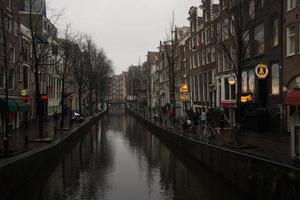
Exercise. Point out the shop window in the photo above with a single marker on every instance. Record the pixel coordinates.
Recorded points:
(244, 82)
(275, 79)
(1, 76)
(251, 80)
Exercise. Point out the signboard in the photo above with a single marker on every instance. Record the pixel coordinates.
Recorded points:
(246, 98)
(184, 97)
(184, 88)
(261, 71)
(24, 93)
(26, 98)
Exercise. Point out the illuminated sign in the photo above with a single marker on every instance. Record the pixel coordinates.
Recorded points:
(184, 88)
(261, 71)
(44, 97)
(24, 93)
(184, 97)
(246, 98)
(26, 98)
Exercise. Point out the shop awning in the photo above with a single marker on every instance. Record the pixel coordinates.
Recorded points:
(22, 107)
(292, 98)
(13, 106)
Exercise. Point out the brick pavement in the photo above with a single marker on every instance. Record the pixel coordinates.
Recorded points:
(17, 142)
(272, 146)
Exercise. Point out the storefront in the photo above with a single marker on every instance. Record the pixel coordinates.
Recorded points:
(16, 110)
(292, 104)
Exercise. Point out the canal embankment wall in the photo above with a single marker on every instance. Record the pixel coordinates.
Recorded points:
(20, 170)
(259, 177)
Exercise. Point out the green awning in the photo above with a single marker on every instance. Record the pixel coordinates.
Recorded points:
(13, 106)
(22, 107)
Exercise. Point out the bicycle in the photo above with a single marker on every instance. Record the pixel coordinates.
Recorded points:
(210, 132)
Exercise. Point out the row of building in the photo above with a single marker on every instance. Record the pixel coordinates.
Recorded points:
(269, 78)
(21, 74)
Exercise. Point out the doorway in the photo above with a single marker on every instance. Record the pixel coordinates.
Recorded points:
(262, 92)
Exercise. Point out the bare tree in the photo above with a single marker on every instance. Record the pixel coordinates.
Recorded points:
(64, 71)
(170, 48)
(231, 35)
(10, 60)
(44, 48)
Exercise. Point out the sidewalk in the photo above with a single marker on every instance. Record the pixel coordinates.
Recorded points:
(17, 141)
(268, 145)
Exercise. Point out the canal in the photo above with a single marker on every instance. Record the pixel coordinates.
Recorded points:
(119, 159)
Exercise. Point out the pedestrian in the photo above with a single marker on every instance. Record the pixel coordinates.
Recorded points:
(196, 121)
(203, 118)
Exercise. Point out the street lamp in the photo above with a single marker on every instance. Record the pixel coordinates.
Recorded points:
(231, 80)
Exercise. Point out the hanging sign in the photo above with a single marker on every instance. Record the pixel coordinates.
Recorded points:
(261, 71)
(184, 88)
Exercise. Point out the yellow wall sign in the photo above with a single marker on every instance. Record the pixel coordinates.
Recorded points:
(184, 88)
(24, 93)
(246, 98)
(261, 71)
(184, 97)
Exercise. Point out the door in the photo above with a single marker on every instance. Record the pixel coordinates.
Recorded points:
(262, 92)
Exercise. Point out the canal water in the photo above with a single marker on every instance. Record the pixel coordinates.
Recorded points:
(120, 160)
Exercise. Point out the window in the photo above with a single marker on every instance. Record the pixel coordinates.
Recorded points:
(275, 79)
(194, 60)
(207, 35)
(11, 78)
(219, 32)
(8, 4)
(203, 57)
(8, 23)
(200, 87)
(213, 54)
(259, 39)
(251, 9)
(275, 32)
(25, 77)
(246, 44)
(204, 86)
(225, 29)
(199, 58)
(244, 82)
(291, 40)
(220, 61)
(291, 4)
(208, 55)
(251, 83)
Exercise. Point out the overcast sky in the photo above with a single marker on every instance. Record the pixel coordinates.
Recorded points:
(126, 29)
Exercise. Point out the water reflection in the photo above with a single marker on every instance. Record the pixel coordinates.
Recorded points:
(120, 159)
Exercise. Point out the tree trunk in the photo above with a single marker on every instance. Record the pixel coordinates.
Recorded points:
(38, 102)
(80, 99)
(62, 102)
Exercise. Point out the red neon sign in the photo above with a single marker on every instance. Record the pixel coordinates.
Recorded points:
(44, 97)
(26, 98)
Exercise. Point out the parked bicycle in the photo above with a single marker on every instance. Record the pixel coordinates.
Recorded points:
(210, 132)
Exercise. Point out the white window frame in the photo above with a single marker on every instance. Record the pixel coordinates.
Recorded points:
(291, 4)
(288, 43)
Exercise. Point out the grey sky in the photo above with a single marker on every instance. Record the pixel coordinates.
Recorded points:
(126, 29)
